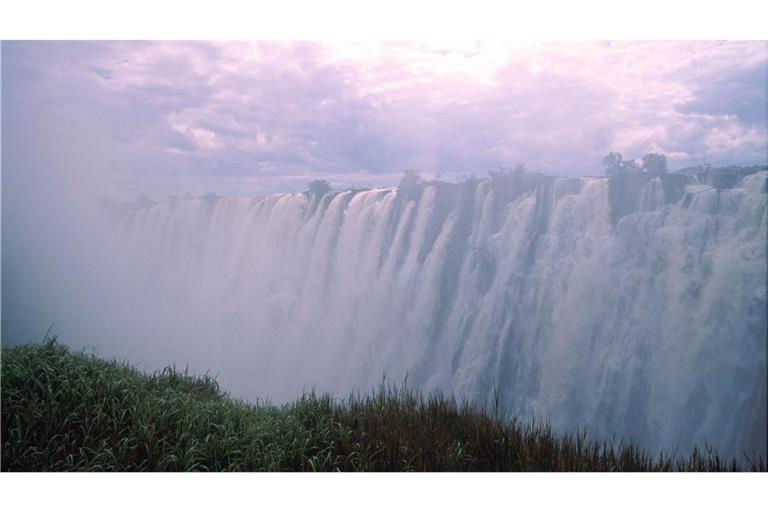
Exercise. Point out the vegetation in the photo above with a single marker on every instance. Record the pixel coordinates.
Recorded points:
(410, 179)
(654, 164)
(68, 411)
(317, 189)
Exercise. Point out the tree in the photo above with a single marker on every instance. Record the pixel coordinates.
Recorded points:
(655, 164)
(410, 179)
(613, 163)
(318, 188)
(630, 166)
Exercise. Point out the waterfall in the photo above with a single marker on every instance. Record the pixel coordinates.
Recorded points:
(629, 308)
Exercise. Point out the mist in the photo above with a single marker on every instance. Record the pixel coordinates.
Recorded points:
(523, 285)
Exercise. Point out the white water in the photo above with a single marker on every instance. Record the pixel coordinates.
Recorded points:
(652, 329)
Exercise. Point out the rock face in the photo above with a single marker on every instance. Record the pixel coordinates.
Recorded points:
(626, 190)
(633, 306)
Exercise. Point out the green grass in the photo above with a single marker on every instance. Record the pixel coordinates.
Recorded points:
(69, 411)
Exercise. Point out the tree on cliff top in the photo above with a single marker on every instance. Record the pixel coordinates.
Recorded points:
(318, 188)
(655, 163)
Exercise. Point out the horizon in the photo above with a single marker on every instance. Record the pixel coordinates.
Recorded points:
(426, 179)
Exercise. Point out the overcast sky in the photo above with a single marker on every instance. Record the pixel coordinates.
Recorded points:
(167, 117)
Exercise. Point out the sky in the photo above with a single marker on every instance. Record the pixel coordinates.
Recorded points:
(158, 118)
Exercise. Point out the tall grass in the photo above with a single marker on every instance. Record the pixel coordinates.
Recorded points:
(68, 411)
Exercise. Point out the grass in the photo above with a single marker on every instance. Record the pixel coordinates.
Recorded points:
(69, 411)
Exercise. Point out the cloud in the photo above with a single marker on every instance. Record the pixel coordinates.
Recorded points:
(741, 93)
(167, 117)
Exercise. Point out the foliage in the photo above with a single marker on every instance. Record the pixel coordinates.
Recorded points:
(654, 164)
(411, 178)
(318, 188)
(68, 411)
(615, 164)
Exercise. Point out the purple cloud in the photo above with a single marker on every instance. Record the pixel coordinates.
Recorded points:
(168, 117)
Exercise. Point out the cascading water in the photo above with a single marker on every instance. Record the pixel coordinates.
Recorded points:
(634, 309)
